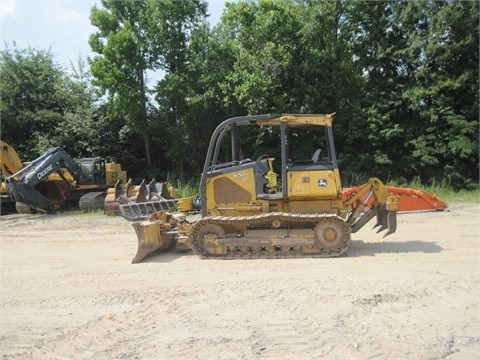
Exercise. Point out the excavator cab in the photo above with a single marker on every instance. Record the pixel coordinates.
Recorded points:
(92, 171)
(103, 172)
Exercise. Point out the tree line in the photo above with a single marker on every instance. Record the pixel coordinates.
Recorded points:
(402, 77)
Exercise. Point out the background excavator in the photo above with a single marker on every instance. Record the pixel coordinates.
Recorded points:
(48, 182)
(258, 206)
(55, 179)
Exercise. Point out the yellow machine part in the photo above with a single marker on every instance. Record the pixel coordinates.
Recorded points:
(10, 162)
(66, 175)
(318, 183)
(185, 204)
(232, 192)
(151, 237)
(272, 177)
(155, 234)
(114, 173)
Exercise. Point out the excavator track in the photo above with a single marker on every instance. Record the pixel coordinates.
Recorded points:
(270, 235)
(92, 201)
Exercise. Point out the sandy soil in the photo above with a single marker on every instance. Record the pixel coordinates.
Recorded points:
(68, 291)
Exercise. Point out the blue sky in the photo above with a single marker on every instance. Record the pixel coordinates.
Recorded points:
(63, 26)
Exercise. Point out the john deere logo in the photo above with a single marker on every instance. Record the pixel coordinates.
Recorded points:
(322, 182)
(44, 172)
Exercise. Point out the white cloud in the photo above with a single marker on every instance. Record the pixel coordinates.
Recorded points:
(7, 9)
(63, 13)
(62, 26)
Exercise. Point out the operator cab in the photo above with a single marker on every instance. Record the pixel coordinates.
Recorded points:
(235, 173)
(92, 171)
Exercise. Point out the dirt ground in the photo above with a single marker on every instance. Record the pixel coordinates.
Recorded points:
(68, 291)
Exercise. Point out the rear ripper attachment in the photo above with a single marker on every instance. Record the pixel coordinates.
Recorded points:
(370, 200)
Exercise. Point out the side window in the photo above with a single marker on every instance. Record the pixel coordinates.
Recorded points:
(99, 176)
(87, 172)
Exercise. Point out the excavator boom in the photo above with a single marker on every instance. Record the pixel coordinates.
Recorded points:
(10, 162)
(28, 185)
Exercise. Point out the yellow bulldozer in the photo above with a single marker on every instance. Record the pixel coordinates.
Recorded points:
(280, 204)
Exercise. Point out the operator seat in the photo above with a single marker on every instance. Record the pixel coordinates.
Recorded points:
(317, 156)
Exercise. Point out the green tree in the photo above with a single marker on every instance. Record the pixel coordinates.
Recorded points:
(284, 56)
(419, 62)
(85, 129)
(183, 41)
(377, 45)
(32, 104)
(136, 37)
(444, 91)
(264, 39)
(124, 55)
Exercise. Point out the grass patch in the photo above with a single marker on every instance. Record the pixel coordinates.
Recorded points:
(456, 196)
(186, 189)
(83, 214)
(443, 193)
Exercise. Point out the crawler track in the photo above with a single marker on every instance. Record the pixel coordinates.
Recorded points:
(271, 235)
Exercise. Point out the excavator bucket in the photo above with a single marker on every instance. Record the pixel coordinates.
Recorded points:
(46, 196)
(408, 199)
(155, 234)
(116, 195)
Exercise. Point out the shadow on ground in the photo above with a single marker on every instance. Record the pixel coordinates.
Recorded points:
(166, 256)
(357, 248)
(361, 248)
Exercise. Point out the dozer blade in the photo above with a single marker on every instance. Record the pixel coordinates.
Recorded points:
(153, 235)
(141, 211)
